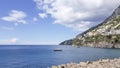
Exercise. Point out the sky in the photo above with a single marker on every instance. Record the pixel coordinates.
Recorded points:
(50, 21)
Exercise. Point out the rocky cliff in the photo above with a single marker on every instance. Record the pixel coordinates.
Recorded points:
(105, 34)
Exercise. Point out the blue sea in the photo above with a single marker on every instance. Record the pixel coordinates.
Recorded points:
(43, 56)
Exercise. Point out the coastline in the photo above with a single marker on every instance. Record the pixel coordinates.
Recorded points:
(102, 63)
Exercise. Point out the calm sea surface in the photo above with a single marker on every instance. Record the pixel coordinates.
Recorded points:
(16, 56)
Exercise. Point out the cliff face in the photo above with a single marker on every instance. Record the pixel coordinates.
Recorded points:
(105, 34)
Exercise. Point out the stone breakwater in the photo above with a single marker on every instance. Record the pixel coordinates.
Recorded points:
(104, 63)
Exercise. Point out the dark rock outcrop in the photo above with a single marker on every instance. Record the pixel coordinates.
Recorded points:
(67, 42)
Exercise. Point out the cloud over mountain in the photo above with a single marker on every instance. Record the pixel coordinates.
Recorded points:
(77, 14)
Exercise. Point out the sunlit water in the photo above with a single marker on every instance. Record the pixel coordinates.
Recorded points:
(44, 57)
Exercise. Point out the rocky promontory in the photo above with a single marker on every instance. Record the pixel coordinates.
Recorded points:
(67, 42)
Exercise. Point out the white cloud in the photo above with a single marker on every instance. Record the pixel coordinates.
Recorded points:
(80, 26)
(7, 28)
(42, 15)
(35, 19)
(15, 16)
(77, 13)
(9, 41)
(13, 40)
(40, 3)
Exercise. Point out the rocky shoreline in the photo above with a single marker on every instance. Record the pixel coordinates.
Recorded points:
(103, 45)
(104, 63)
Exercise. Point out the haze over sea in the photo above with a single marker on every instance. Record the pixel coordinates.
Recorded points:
(33, 56)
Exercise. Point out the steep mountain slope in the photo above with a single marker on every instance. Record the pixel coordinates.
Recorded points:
(114, 14)
(105, 34)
